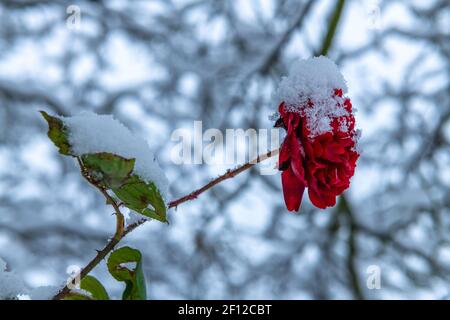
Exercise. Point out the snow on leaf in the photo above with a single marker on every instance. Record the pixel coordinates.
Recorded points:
(115, 159)
(90, 133)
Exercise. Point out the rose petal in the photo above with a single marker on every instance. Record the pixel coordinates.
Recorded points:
(293, 190)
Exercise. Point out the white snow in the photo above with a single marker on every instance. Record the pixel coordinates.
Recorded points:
(314, 80)
(132, 218)
(316, 77)
(93, 133)
(356, 138)
(10, 284)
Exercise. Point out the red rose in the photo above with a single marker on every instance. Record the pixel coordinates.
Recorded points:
(324, 162)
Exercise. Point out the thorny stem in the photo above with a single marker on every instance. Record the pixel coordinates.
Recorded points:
(120, 221)
(121, 231)
(118, 235)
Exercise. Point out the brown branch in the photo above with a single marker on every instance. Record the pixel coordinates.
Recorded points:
(121, 232)
(118, 235)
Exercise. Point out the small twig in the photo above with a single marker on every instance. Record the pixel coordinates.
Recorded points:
(121, 232)
(229, 174)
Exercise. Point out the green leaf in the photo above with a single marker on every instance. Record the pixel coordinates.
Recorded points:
(108, 169)
(91, 285)
(94, 287)
(57, 133)
(134, 279)
(142, 197)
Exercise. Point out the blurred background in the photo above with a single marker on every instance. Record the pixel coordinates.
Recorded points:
(159, 66)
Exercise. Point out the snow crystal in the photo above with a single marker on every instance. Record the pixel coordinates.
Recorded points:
(316, 77)
(132, 218)
(93, 133)
(10, 284)
(309, 90)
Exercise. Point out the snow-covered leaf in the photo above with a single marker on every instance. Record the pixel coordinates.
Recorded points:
(115, 158)
(93, 133)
